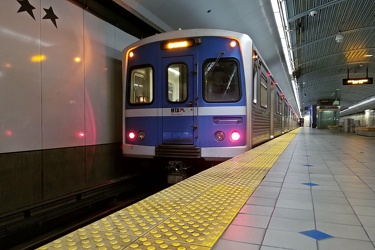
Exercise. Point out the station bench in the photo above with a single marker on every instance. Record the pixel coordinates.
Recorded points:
(366, 131)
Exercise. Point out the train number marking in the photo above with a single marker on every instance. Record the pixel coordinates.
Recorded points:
(177, 111)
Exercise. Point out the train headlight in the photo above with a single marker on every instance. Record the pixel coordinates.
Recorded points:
(233, 44)
(235, 136)
(131, 135)
(219, 135)
(141, 135)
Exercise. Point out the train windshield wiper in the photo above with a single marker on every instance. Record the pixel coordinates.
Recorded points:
(211, 66)
(230, 79)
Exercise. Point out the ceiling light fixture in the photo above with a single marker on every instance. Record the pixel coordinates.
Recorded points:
(339, 37)
(361, 103)
(313, 13)
(279, 10)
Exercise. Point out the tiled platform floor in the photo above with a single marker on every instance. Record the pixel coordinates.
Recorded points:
(320, 194)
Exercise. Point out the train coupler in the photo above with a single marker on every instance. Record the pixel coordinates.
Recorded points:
(176, 171)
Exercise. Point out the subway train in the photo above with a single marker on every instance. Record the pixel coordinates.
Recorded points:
(199, 93)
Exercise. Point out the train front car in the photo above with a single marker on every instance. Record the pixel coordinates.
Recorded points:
(185, 95)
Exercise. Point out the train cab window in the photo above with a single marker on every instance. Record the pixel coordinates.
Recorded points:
(263, 91)
(221, 81)
(141, 86)
(177, 82)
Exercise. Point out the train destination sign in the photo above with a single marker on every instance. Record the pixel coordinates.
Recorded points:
(357, 81)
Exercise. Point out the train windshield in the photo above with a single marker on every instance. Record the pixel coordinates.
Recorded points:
(141, 86)
(221, 81)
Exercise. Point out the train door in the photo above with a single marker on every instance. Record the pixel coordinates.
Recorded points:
(178, 100)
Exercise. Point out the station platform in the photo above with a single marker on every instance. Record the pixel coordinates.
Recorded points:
(307, 189)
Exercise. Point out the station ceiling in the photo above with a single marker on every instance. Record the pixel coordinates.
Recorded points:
(320, 59)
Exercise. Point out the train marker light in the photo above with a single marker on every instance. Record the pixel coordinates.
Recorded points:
(176, 44)
(131, 54)
(131, 135)
(219, 135)
(233, 44)
(141, 135)
(235, 136)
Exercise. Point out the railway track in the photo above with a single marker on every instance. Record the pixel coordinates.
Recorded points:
(66, 214)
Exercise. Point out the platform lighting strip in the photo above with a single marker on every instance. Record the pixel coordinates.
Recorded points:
(279, 10)
(360, 103)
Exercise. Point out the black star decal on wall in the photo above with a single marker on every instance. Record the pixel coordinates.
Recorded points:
(50, 15)
(26, 6)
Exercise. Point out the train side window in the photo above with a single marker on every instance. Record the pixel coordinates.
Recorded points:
(221, 81)
(141, 86)
(177, 82)
(278, 103)
(286, 110)
(263, 91)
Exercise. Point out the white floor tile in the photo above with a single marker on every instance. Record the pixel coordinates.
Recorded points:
(289, 240)
(362, 202)
(225, 245)
(251, 220)
(362, 210)
(371, 232)
(337, 218)
(244, 234)
(368, 221)
(343, 231)
(257, 210)
(344, 244)
(335, 208)
(284, 203)
(292, 225)
(298, 214)
(261, 201)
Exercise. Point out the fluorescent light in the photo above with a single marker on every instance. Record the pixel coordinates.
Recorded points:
(279, 11)
(362, 103)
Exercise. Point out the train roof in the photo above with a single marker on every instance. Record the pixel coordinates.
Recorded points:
(189, 33)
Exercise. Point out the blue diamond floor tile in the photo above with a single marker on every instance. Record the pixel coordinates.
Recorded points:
(308, 165)
(311, 184)
(316, 234)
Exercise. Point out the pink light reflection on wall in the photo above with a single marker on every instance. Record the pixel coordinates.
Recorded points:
(81, 134)
(90, 120)
(8, 133)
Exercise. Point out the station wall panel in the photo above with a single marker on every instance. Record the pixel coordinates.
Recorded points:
(20, 78)
(60, 101)
(63, 82)
(60, 74)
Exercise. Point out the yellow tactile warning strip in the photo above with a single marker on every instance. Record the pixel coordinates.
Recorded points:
(191, 214)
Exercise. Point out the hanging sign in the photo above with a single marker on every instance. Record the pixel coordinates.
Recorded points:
(357, 81)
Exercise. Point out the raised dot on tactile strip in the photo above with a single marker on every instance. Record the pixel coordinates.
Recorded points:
(147, 243)
(100, 244)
